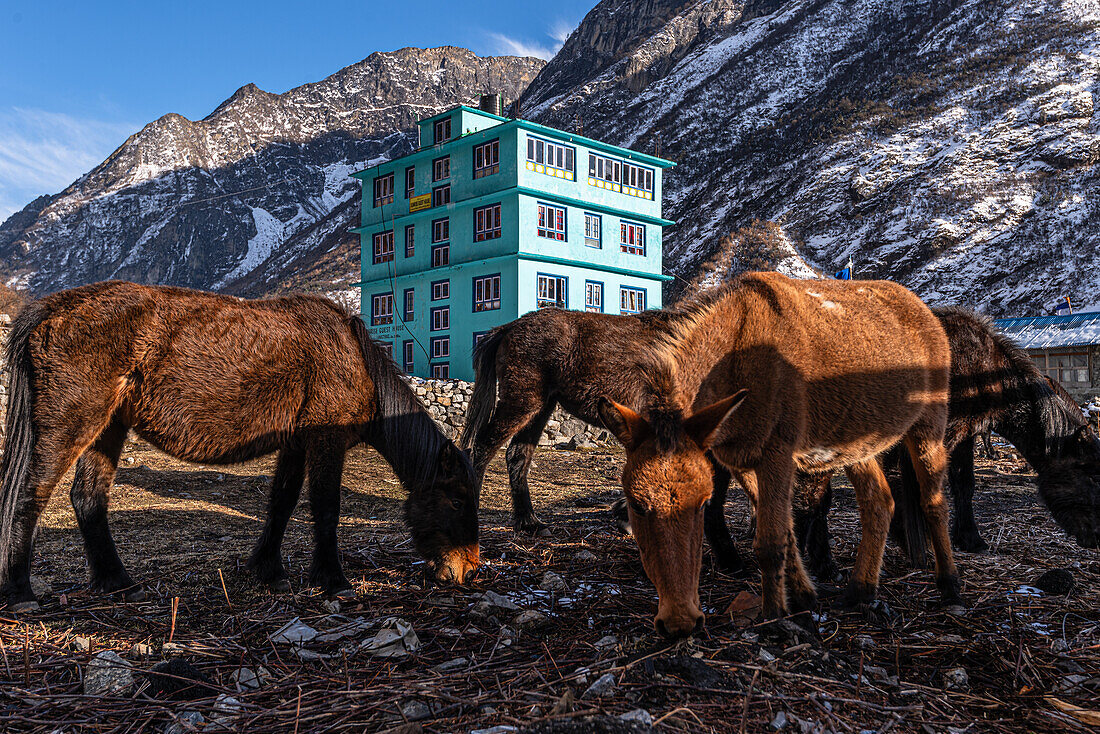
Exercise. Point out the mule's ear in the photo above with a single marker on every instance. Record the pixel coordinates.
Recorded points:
(628, 426)
(450, 458)
(704, 424)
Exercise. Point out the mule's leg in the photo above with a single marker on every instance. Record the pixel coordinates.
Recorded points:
(95, 472)
(714, 522)
(774, 542)
(324, 468)
(518, 459)
(508, 418)
(930, 465)
(813, 498)
(876, 507)
(266, 560)
(960, 477)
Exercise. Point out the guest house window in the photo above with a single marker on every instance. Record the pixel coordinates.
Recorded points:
(1069, 367)
(441, 130)
(592, 227)
(387, 348)
(441, 230)
(551, 222)
(441, 195)
(632, 238)
(441, 371)
(407, 356)
(478, 336)
(410, 181)
(441, 318)
(383, 247)
(441, 347)
(487, 293)
(487, 223)
(410, 240)
(551, 291)
(593, 296)
(441, 168)
(631, 300)
(637, 181)
(383, 190)
(486, 158)
(441, 289)
(410, 310)
(552, 159)
(381, 309)
(441, 255)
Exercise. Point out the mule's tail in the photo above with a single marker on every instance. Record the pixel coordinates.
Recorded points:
(484, 398)
(909, 528)
(19, 425)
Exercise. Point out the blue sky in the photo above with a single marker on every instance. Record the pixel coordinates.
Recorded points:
(76, 78)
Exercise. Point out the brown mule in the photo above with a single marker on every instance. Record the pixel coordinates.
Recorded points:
(782, 375)
(216, 380)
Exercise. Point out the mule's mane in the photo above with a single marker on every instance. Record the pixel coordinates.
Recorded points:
(402, 430)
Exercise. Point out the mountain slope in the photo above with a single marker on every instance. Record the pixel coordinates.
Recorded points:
(946, 145)
(258, 188)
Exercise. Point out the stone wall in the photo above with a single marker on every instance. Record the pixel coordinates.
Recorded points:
(448, 401)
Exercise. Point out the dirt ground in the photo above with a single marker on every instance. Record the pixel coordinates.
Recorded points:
(1020, 660)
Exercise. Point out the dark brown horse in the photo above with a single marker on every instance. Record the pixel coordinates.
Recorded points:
(216, 380)
(994, 387)
(543, 359)
(780, 374)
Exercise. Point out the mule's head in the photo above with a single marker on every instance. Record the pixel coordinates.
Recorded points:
(668, 481)
(442, 516)
(1070, 487)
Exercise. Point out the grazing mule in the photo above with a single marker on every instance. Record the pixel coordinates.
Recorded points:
(994, 386)
(543, 359)
(781, 375)
(217, 380)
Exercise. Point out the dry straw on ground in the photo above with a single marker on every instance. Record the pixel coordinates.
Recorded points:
(1019, 661)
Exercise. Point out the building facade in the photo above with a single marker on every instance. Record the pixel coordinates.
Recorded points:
(491, 218)
(1065, 348)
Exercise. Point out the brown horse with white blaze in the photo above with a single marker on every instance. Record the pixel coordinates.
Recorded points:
(217, 380)
(780, 375)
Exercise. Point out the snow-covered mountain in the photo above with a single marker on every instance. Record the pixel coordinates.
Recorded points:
(254, 197)
(948, 145)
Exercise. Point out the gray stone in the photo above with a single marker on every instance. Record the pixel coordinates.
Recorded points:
(141, 650)
(108, 674)
(779, 723)
(81, 644)
(584, 555)
(956, 679)
(246, 679)
(640, 716)
(865, 642)
(607, 641)
(530, 619)
(603, 686)
(225, 710)
(185, 722)
(454, 664)
(551, 581)
(416, 710)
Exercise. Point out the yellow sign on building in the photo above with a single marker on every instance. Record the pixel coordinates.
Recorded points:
(420, 203)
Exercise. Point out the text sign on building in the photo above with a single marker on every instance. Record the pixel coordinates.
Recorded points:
(420, 203)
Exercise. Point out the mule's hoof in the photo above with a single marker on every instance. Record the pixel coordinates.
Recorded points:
(22, 607)
(796, 630)
(856, 596)
(970, 543)
(535, 529)
(135, 595)
(280, 586)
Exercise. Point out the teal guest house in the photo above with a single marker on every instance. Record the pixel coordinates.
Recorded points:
(491, 218)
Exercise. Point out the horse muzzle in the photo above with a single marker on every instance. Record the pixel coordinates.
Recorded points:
(458, 562)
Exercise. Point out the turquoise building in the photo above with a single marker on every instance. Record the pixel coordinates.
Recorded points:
(491, 218)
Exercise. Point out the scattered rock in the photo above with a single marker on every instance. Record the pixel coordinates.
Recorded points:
(957, 679)
(779, 723)
(765, 656)
(1057, 581)
(396, 639)
(294, 632)
(332, 606)
(604, 685)
(416, 710)
(565, 704)
(454, 664)
(80, 644)
(247, 679)
(225, 710)
(141, 650)
(529, 619)
(584, 555)
(498, 729)
(108, 674)
(491, 602)
(553, 582)
(639, 715)
(607, 642)
(865, 642)
(185, 722)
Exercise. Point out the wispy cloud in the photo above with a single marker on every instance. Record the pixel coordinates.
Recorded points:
(561, 30)
(43, 152)
(517, 47)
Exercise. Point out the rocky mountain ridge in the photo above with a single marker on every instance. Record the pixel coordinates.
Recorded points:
(257, 189)
(947, 145)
